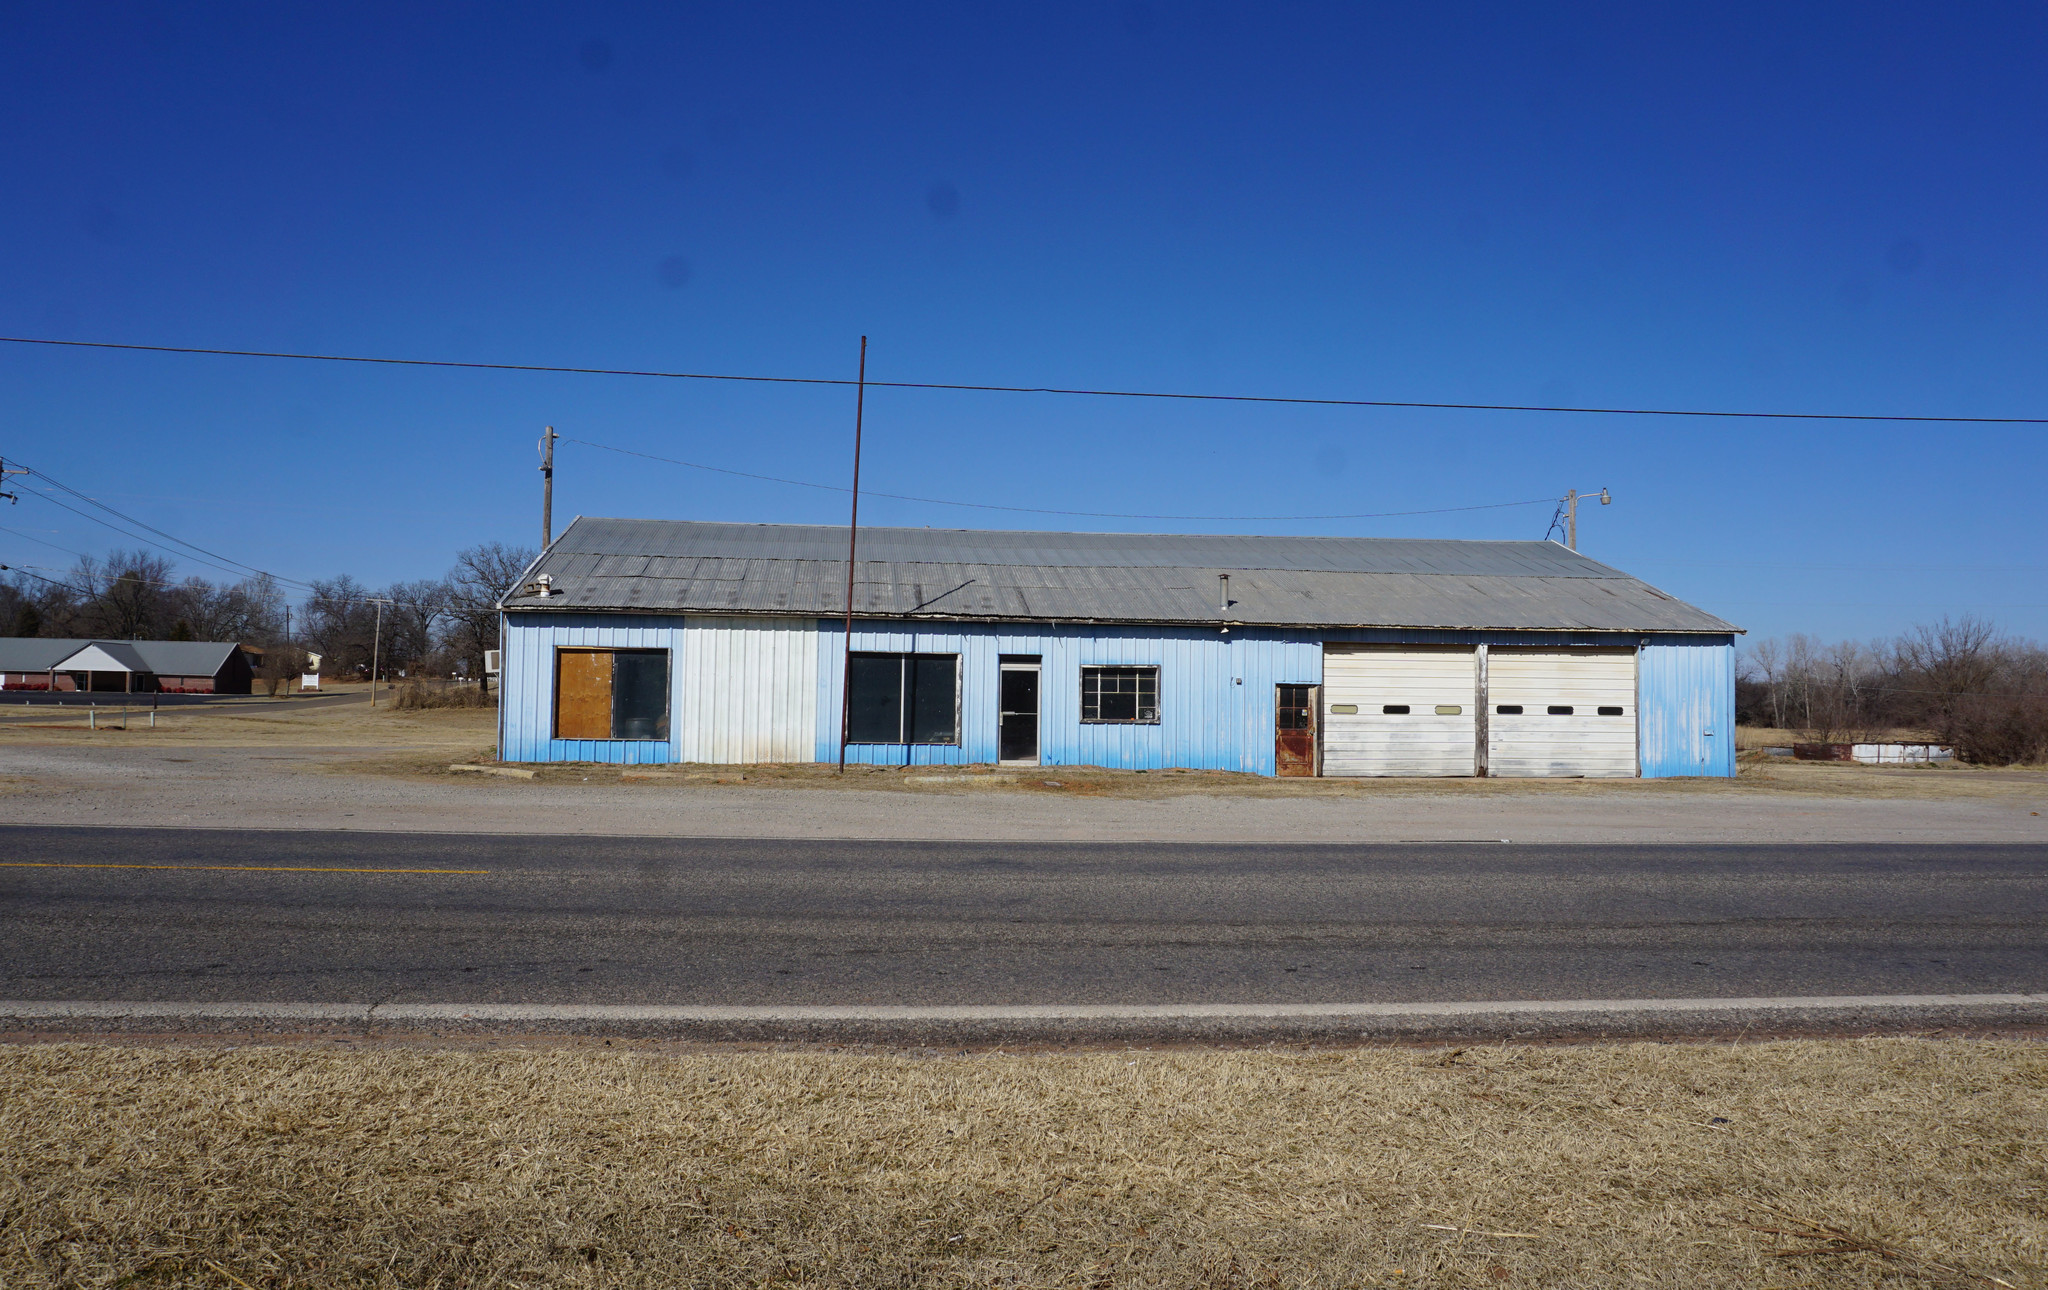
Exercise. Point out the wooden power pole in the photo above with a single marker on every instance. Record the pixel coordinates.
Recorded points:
(547, 487)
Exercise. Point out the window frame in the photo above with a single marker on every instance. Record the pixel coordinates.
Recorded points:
(1158, 706)
(905, 695)
(664, 730)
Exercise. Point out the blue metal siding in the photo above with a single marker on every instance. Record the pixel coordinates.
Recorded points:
(1207, 719)
(527, 703)
(1685, 688)
(1216, 689)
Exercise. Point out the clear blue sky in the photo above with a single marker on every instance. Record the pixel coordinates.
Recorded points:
(1813, 207)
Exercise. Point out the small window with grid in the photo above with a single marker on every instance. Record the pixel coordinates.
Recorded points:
(1120, 695)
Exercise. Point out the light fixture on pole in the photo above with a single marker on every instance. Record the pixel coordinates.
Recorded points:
(1570, 507)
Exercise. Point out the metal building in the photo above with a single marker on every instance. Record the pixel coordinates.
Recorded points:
(650, 641)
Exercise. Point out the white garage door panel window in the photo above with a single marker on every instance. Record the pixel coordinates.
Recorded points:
(1578, 713)
(1434, 736)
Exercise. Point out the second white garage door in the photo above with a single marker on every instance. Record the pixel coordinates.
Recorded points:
(1561, 712)
(1402, 711)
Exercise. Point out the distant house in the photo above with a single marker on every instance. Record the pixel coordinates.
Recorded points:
(124, 667)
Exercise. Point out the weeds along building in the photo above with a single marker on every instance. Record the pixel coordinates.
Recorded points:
(648, 641)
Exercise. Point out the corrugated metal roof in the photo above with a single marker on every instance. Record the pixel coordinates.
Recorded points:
(164, 658)
(671, 565)
(1102, 550)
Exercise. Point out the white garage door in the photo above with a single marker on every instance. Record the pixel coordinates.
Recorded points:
(1401, 711)
(1561, 712)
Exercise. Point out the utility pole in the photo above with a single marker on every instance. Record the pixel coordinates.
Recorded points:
(1571, 514)
(860, 399)
(547, 487)
(376, 647)
(4, 473)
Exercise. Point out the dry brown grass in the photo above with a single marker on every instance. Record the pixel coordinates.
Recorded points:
(442, 694)
(1751, 737)
(1905, 1162)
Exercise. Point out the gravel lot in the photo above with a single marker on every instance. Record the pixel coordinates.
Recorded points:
(394, 785)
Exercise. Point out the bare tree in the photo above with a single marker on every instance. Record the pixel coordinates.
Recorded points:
(1839, 691)
(43, 606)
(20, 614)
(283, 662)
(1765, 665)
(250, 611)
(481, 577)
(126, 594)
(341, 624)
(1957, 680)
(416, 610)
(1946, 660)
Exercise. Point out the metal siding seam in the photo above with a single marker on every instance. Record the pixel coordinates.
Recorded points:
(825, 722)
(1724, 762)
(1642, 758)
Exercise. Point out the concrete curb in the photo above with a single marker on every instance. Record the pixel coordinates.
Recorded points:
(1028, 1023)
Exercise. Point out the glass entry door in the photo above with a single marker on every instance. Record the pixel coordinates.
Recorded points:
(1017, 723)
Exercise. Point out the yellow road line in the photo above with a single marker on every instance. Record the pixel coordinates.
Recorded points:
(237, 868)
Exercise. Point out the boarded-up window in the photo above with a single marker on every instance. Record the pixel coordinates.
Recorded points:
(611, 694)
(904, 699)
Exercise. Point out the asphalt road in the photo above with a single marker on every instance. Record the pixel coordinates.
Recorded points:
(673, 921)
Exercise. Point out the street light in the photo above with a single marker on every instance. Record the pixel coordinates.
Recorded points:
(1571, 514)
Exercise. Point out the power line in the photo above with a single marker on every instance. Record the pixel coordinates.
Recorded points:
(15, 568)
(1035, 510)
(245, 569)
(39, 541)
(87, 515)
(1023, 389)
(115, 580)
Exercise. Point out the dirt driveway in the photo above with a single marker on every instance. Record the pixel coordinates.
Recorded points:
(342, 767)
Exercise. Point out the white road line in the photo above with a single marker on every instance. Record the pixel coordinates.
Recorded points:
(54, 1010)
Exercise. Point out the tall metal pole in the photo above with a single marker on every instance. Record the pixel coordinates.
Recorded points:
(860, 399)
(547, 488)
(376, 649)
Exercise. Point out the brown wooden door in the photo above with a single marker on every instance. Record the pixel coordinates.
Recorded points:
(583, 694)
(1294, 730)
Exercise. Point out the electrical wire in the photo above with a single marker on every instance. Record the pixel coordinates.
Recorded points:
(245, 570)
(40, 542)
(15, 568)
(117, 579)
(1035, 510)
(1022, 389)
(112, 580)
(87, 515)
